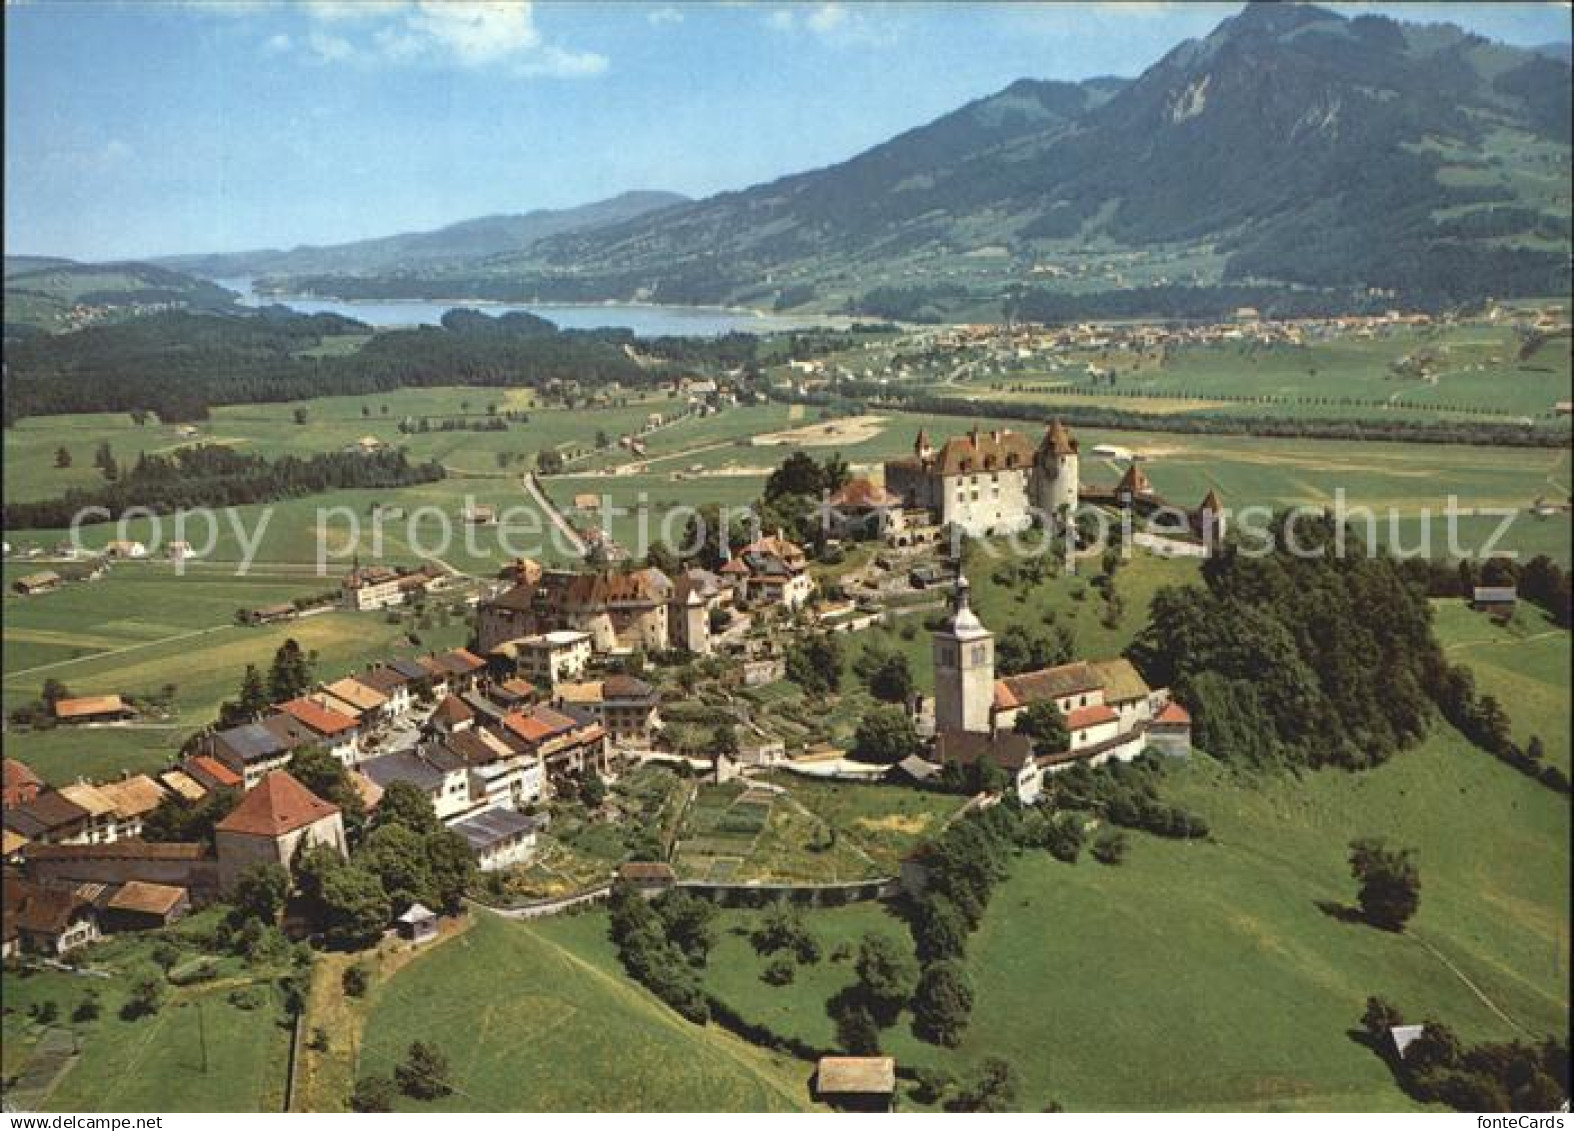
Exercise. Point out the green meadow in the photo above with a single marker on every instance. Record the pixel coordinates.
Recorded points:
(1089, 978)
(1525, 663)
(143, 627)
(513, 1004)
(204, 1050)
(1473, 372)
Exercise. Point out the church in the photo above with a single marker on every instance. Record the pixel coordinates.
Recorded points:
(1108, 708)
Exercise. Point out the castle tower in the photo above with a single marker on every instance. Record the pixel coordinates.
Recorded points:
(922, 448)
(964, 653)
(1056, 476)
(1210, 520)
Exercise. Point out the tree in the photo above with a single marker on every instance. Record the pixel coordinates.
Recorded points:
(885, 736)
(396, 854)
(892, 679)
(104, 458)
(887, 974)
(798, 474)
(724, 740)
(453, 869)
(299, 416)
(290, 675)
(939, 931)
(327, 777)
(355, 980)
(1110, 847)
(175, 819)
(690, 923)
(253, 697)
(404, 803)
(815, 664)
(1380, 1017)
(424, 1073)
(992, 1089)
(145, 998)
(942, 1003)
(260, 892)
(856, 1031)
(62, 457)
(372, 1093)
(549, 461)
(1390, 882)
(348, 901)
(1044, 724)
(88, 1008)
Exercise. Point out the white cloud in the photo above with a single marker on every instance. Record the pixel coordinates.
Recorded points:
(466, 33)
(278, 44)
(838, 25)
(329, 48)
(660, 16)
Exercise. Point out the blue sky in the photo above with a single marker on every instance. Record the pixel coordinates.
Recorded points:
(141, 128)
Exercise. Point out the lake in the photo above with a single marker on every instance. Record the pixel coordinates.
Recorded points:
(645, 321)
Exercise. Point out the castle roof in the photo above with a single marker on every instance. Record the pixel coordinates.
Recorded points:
(1134, 482)
(983, 451)
(1058, 440)
(1211, 502)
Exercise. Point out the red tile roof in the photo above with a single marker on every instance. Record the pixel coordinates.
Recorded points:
(18, 776)
(1083, 717)
(1174, 714)
(317, 717)
(275, 806)
(452, 710)
(214, 771)
(88, 706)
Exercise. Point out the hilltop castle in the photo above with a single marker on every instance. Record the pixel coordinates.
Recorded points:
(989, 482)
(996, 482)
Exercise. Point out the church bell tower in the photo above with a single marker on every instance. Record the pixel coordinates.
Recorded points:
(964, 652)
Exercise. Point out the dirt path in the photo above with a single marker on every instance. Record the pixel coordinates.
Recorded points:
(548, 508)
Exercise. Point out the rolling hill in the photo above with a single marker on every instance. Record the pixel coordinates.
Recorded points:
(44, 294)
(463, 242)
(1293, 147)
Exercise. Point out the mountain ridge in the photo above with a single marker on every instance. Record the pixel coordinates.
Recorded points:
(1293, 148)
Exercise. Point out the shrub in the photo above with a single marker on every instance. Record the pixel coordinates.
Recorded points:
(372, 1094)
(780, 971)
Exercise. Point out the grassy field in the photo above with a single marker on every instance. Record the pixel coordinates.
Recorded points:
(1090, 978)
(541, 1018)
(1525, 663)
(1474, 372)
(142, 628)
(331, 424)
(153, 1063)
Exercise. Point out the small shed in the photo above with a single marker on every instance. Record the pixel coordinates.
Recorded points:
(38, 583)
(1497, 600)
(140, 906)
(418, 924)
(856, 1083)
(650, 878)
(1403, 1036)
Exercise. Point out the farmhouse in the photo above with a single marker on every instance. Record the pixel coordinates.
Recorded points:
(255, 750)
(396, 688)
(774, 572)
(92, 709)
(272, 614)
(336, 732)
(1498, 601)
(355, 695)
(20, 784)
(565, 742)
(35, 583)
(45, 920)
(139, 906)
(50, 818)
(856, 1083)
(275, 819)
